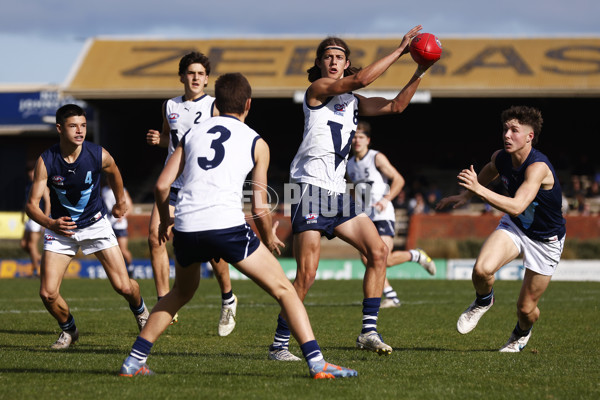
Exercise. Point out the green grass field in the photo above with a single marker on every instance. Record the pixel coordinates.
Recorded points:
(430, 360)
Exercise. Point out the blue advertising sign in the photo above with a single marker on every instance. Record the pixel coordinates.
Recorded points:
(34, 108)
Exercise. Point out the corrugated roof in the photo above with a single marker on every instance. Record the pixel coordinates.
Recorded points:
(486, 67)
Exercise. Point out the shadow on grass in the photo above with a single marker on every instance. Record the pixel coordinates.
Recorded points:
(26, 332)
(407, 349)
(78, 371)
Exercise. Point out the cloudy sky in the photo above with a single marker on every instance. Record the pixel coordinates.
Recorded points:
(40, 40)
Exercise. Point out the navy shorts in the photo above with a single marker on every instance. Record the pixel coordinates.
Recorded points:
(231, 244)
(385, 228)
(318, 210)
(173, 196)
(121, 232)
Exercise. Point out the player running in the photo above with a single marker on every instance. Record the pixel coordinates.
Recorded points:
(532, 226)
(214, 159)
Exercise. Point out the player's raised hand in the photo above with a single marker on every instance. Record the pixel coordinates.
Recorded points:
(408, 37)
(153, 137)
(467, 178)
(455, 201)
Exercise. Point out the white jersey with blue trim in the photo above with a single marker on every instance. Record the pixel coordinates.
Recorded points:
(328, 131)
(109, 201)
(181, 116)
(370, 186)
(219, 154)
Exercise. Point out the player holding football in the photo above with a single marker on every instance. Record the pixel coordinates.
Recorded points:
(533, 224)
(180, 115)
(219, 154)
(331, 111)
(376, 183)
(72, 171)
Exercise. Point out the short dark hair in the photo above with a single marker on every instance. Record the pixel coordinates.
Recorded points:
(195, 57)
(526, 116)
(365, 127)
(231, 92)
(68, 111)
(314, 72)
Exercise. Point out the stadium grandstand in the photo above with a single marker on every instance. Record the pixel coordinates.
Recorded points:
(453, 121)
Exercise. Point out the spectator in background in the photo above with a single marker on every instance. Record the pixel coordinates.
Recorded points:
(401, 201)
(576, 194)
(433, 196)
(593, 192)
(417, 204)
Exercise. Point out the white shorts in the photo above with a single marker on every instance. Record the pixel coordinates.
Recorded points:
(538, 256)
(32, 226)
(91, 239)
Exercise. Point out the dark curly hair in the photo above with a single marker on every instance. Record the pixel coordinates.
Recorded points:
(195, 57)
(526, 116)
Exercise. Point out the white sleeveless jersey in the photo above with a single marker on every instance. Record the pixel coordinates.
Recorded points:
(219, 154)
(109, 200)
(328, 130)
(181, 116)
(364, 173)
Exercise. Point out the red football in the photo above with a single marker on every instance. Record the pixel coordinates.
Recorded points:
(425, 48)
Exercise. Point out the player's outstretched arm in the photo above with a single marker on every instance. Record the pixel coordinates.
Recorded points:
(170, 172)
(325, 87)
(261, 210)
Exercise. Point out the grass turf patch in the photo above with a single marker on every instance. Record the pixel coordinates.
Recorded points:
(431, 360)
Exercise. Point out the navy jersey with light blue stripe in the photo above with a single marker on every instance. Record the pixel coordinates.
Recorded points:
(542, 219)
(75, 188)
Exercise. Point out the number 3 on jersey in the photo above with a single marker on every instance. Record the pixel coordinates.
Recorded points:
(217, 146)
(336, 135)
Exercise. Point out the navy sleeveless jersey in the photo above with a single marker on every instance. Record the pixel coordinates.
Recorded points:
(75, 188)
(542, 219)
(27, 190)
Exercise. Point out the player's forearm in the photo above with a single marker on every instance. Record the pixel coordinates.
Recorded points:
(262, 219)
(370, 73)
(115, 182)
(395, 188)
(163, 140)
(36, 214)
(508, 205)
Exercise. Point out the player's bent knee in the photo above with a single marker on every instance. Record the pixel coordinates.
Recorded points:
(153, 242)
(378, 256)
(528, 311)
(48, 297)
(125, 289)
(482, 273)
(305, 280)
